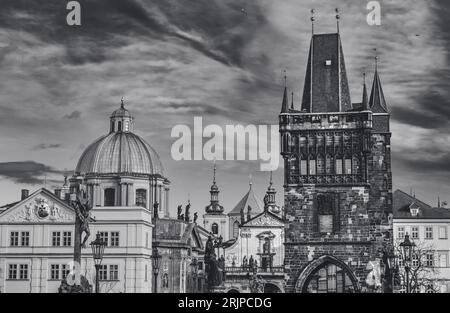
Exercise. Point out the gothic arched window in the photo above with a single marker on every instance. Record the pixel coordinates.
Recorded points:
(235, 229)
(141, 198)
(119, 126)
(320, 165)
(215, 228)
(348, 165)
(329, 164)
(303, 165)
(338, 167)
(110, 197)
(312, 165)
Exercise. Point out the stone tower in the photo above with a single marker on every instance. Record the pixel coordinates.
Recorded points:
(337, 180)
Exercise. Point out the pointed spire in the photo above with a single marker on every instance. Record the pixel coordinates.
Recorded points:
(313, 18)
(214, 172)
(338, 17)
(376, 101)
(269, 198)
(284, 105)
(292, 100)
(214, 207)
(250, 178)
(365, 101)
(439, 202)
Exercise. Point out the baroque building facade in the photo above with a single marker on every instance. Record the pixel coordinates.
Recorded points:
(337, 179)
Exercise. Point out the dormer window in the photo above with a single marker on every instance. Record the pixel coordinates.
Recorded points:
(414, 212)
(328, 62)
(414, 209)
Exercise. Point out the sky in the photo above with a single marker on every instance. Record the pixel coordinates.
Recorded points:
(222, 60)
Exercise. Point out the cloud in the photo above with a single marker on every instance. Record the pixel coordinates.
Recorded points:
(74, 115)
(26, 172)
(44, 146)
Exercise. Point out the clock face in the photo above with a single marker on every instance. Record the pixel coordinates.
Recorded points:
(43, 210)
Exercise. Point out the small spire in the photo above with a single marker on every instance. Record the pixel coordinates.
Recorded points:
(250, 180)
(338, 17)
(365, 101)
(189, 198)
(270, 181)
(214, 172)
(121, 104)
(284, 105)
(376, 59)
(313, 18)
(285, 78)
(439, 202)
(292, 100)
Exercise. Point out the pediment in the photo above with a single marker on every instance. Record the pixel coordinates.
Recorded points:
(40, 207)
(265, 219)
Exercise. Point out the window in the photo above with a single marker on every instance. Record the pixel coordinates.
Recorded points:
(119, 126)
(235, 229)
(415, 232)
(165, 281)
(126, 126)
(328, 62)
(25, 239)
(312, 167)
(141, 198)
(415, 260)
(215, 228)
(320, 165)
(146, 240)
(54, 271)
(348, 166)
(429, 232)
(443, 259)
(104, 236)
(146, 270)
(338, 166)
(56, 239)
(115, 239)
(329, 278)
(65, 271)
(429, 260)
(23, 273)
(103, 272)
(303, 167)
(67, 238)
(12, 272)
(329, 168)
(110, 196)
(400, 233)
(14, 239)
(442, 232)
(114, 272)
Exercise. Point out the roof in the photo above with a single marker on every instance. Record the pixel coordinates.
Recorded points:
(403, 203)
(249, 200)
(326, 85)
(376, 101)
(120, 152)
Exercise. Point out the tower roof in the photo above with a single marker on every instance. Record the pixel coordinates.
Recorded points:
(326, 85)
(365, 101)
(377, 102)
(248, 200)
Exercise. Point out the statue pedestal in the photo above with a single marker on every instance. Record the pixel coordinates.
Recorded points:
(217, 289)
(84, 287)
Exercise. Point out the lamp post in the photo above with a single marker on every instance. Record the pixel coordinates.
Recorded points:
(156, 258)
(98, 248)
(407, 249)
(194, 265)
(388, 270)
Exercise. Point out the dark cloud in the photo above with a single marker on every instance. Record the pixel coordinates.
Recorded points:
(26, 172)
(44, 146)
(418, 118)
(74, 115)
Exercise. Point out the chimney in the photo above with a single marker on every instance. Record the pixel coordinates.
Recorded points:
(58, 193)
(25, 193)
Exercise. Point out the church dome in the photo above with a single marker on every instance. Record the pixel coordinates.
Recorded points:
(121, 151)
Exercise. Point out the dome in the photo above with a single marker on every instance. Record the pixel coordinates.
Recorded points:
(120, 152)
(121, 112)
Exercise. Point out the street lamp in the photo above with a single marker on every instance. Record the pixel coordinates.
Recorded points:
(156, 258)
(194, 265)
(98, 248)
(407, 249)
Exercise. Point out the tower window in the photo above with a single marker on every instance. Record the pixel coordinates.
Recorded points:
(338, 166)
(312, 167)
(141, 198)
(110, 197)
(235, 229)
(126, 126)
(119, 126)
(112, 126)
(348, 166)
(215, 228)
(328, 62)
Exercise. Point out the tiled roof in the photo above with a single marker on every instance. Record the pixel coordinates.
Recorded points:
(377, 102)
(249, 200)
(403, 203)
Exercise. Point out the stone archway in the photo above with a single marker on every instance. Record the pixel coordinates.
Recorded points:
(271, 288)
(327, 274)
(233, 291)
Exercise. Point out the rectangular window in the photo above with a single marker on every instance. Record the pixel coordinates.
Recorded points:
(65, 271)
(303, 166)
(429, 232)
(23, 273)
(443, 259)
(146, 240)
(312, 167)
(429, 260)
(415, 232)
(67, 238)
(103, 272)
(14, 238)
(56, 239)
(54, 271)
(115, 239)
(114, 272)
(338, 167)
(12, 271)
(442, 232)
(400, 233)
(348, 166)
(25, 239)
(104, 236)
(415, 260)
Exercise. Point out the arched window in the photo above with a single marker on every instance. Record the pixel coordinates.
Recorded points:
(215, 228)
(112, 126)
(126, 126)
(329, 164)
(330, 278)
(348, 165)
(320, 165)
(110, 197)
(119, 127)
(338, 167)
(235, 229)
(312, 165)
(141, 198)
(355, 165)
(266, 246)
(303, 165)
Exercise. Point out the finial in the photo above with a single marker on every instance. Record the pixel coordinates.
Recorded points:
(364, 77)
(313, 18)
(189, 198)
(250, 180)
(270, 182)
(439, 202)
(292, 101)
(285, 78)
(338, 16)
(376, 59)
(214, 174)
(121, 104)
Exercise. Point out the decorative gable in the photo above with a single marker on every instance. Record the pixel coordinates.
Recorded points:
(41, 207)
(264, 219)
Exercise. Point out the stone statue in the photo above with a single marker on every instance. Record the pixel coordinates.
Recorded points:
(195, 217)
(179, 209)
(244, 262)
(249, 213)
(187, 213)
(83, 214)
(250, 263)
(257, 284)
(155, 210)
(212, 268)
(182, 217)
(266, 201)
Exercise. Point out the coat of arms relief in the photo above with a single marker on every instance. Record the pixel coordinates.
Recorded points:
(40, 209)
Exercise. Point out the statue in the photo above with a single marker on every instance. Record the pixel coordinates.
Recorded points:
(155, 210)
(249, 213)
(250, 263)
(179, 209)
(195, 217)
(186, 213)
(182, 217)
(257, 284)
(212, 269)
(244, 262)
(83, 214)
(266, 201)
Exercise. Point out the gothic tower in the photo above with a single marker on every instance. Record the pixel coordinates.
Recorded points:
(337, 180)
